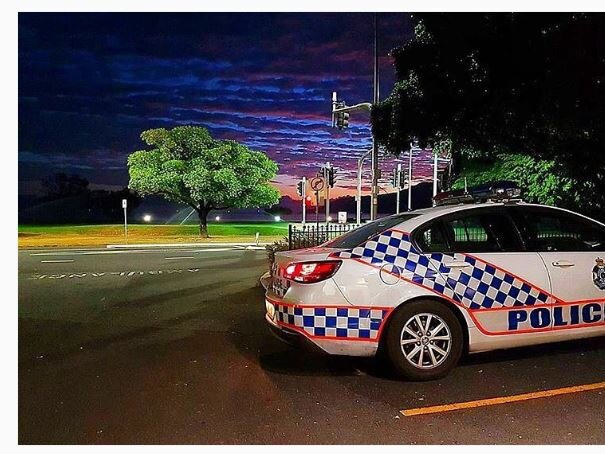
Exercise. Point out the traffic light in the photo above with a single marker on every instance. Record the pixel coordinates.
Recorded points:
(300, 188)
(397, 181)
(331, 174)
(341, 118)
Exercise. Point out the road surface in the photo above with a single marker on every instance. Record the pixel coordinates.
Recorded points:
(170, 346)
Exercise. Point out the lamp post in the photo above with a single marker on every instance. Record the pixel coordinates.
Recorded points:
(340, 120)
(410, 178)
(375, 169)
(359, 176)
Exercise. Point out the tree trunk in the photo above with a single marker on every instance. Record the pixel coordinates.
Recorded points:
(203, 215)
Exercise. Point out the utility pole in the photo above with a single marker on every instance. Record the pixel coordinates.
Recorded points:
(359, 176)
(327, 176)
(435, 172)
(340, 120)
(397, 184)
(410, 178)
(301, 190)
(304, 200)
(375, 169)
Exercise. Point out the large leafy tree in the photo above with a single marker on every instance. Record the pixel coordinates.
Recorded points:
(528, 84)
(538, 178)
(187, 165)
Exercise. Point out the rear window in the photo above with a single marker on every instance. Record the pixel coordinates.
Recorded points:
(360, 235)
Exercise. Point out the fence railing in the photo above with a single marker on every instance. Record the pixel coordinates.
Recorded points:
(308, 235)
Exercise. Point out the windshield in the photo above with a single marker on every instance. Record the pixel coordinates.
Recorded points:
(358, 236)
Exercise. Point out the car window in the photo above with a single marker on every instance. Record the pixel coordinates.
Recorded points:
(547, 230)
(358, 236)
(483, 232)
(432, 239)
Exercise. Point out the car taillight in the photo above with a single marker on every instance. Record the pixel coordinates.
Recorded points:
(310, 272)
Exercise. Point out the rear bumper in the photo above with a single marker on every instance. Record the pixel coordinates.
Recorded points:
(298, 335)
(283, 334)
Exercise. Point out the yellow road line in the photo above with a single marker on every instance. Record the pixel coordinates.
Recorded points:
(502, 400)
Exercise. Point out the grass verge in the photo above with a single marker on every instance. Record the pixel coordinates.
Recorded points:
(100, 235)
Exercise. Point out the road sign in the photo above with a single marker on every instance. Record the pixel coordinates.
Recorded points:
(317, 184)
(124, 205)
(342, 217)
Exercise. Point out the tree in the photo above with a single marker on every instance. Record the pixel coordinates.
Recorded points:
(537, 178)
(527, 84)
(186, 165)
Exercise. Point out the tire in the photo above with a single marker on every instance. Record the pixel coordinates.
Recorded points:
(403, 340)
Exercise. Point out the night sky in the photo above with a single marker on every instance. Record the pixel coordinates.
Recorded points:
(90, 83)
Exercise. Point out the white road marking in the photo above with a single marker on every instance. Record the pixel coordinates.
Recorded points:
(115, 273)
(215, 250)
(56, 261)
(134, 251)
(177, 258)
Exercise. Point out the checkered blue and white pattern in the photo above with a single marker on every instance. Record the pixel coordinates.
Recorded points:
(480, 286)
(333, 322)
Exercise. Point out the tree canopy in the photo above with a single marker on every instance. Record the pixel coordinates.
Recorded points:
(528, 84)
(186, 165)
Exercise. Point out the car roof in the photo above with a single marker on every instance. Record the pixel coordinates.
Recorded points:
(426, 214)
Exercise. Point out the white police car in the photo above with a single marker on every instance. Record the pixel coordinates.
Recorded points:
(431, 284)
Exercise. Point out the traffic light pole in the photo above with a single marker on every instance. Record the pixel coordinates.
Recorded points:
(398, 186)
(304, 199)
(375, 169)
(410, 179)
(359, 175)
(327, 180)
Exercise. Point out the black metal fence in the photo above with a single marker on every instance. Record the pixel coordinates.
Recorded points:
(308, 235)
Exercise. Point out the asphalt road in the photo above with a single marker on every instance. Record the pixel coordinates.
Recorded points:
(170, 346)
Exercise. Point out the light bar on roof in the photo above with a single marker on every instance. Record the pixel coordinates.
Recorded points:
(498, 191)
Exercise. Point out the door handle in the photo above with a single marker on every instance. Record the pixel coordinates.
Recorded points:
(456, 265)
(563, 264)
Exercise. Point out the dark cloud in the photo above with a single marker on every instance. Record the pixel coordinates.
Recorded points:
(90, 83)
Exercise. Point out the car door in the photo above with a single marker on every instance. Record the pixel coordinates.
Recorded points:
(573, 250)
(490, 273)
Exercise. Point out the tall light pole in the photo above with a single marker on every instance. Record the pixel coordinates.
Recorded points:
(340, 120)
(435, 171)
(398, 185)
(304, 199)
(410, 178)
(375, 169)
(327, 176)
(359, 176)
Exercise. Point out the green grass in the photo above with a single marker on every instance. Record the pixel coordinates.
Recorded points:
(217, 229)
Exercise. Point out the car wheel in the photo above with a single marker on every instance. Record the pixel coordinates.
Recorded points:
(424, 340)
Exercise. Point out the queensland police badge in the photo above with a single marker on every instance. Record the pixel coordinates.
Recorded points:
(598, 274)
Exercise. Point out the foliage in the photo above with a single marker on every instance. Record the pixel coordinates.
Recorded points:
(276, 246)
(530, 84)
(186, 165)
(539, 181)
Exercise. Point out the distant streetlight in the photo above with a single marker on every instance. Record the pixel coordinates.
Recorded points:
(147, 218)
(329, 218)
(218, 218)
(277, 218)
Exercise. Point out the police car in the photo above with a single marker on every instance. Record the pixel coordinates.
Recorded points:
(480, 271)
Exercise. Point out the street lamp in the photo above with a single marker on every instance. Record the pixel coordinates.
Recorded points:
(359, 170)
(277, 218)
(340, 120)
(218, 218)
(147, 218)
